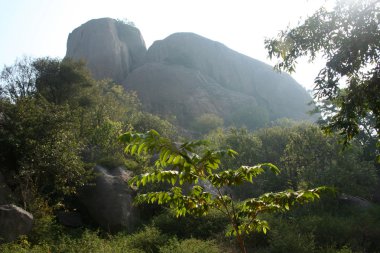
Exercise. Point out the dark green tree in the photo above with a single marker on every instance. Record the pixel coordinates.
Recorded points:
(207, 122)
(348, 38)
(39, 151)
(56, 122)
(60, 81)
(311, 158)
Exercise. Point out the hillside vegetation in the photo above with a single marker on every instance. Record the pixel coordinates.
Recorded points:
(111, 161)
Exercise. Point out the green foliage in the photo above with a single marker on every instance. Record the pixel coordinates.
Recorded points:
(193, 163)
(18, 81)
(209, 226)
(57, 122)
(286, 237)
(310, 158)
(39, 149)
(148, 240)
(274, 140)
(60, 81)
(45, 230)
(260, 146)
(244, 142)
(307, 156)
(346, 229)
(207, 122)
(190, 246)
(250, 116)
(143, 121)
(348, 38)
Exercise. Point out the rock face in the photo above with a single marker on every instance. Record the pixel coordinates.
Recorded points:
(188, 75)
(185, 76)
(14, 221)
(110, 48)
(355, 201)
(109, 200)
(183, 92)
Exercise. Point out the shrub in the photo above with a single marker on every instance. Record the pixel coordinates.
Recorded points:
(149, 240)
(208, 226)
(190, 246)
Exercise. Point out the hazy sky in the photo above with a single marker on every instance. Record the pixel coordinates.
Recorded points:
(40, 27)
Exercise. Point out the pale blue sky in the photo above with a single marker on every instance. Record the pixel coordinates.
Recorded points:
(40, 27)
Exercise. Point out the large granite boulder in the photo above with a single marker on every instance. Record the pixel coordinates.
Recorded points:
(355, 201)
(110, 48)
(187, 75)
(186, 93)
(14, 222)
(108, 200)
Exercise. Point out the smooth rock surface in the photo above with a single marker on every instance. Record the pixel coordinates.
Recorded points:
(187, 75)
(14, 222)
(108, 200)
(110, 48)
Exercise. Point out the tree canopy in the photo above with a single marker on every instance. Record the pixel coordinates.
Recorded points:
(56, 122)
(348, 38)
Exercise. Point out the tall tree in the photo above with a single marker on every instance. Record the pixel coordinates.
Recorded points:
(18, 81)
(348, 37)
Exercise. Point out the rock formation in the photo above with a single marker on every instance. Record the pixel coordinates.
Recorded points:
(110, 48)
(14, 222)
(108, 200)
(186, 75)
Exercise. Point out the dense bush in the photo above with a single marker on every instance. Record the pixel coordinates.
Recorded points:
(204, 227)
(148, 240)
(190, 246)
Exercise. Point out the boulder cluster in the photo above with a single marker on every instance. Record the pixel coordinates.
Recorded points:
(185, 76)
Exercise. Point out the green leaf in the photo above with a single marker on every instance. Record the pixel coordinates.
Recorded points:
(141, 147)
(173, 180)
(176, 159)
(165, 156)
(199, 165)
(134, 147)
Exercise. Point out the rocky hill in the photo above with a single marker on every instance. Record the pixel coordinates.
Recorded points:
(110, 48)
(185, 76)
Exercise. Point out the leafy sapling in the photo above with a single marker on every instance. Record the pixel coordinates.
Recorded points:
(194, 163)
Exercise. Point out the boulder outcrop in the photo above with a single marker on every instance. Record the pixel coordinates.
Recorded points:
(110, 48)
(184, 92)
(14, 222)
(187, 75)
(108, 200)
